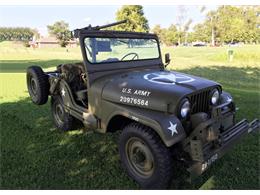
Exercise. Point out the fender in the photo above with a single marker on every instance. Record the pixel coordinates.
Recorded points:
(168, 127)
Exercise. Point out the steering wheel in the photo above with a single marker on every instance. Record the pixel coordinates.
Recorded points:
(132, 53)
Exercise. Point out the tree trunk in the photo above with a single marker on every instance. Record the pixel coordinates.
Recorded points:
(212, 37)
(186, 38)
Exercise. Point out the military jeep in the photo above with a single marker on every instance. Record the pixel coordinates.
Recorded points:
(123, 85)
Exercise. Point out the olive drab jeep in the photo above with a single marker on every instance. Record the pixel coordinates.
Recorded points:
(122, 84)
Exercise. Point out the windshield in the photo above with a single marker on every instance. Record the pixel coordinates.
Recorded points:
(103, 50)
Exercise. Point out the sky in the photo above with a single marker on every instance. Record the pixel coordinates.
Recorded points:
(77, 16)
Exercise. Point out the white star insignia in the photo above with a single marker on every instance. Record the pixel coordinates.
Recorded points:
(172, 128)
(170, 77)
(63, 92)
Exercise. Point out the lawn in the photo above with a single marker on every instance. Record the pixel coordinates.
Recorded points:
(35, 155)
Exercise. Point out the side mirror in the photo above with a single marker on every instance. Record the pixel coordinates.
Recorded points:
(167, 59)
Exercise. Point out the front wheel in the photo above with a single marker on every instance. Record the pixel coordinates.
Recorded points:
(144, 157)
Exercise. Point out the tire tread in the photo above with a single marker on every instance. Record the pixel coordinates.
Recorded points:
(162, 153)
(43, 82)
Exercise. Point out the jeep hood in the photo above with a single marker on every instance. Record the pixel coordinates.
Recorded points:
(156, 90)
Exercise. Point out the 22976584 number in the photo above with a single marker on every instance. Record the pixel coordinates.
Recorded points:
(135, 101)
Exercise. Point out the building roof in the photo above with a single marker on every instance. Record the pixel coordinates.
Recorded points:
(47, 40)
(51, 39)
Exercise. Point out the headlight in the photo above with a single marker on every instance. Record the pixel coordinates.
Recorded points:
(214, 96)
(225, 98)
(184, 108)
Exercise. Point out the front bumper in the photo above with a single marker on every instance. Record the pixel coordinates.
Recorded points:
(203, 155)
(207, 155)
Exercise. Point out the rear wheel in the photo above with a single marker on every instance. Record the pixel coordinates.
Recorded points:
(38, 85)
(145, 158)
(62, 119)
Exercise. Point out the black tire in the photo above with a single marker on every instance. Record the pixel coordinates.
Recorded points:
(62, 119)
(155, 168)
(37, 85)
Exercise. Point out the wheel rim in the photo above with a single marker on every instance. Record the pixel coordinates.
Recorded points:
(139, 157)
(59, 114)
(33, 86)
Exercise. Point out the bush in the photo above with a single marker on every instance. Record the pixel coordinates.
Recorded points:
(26, 44)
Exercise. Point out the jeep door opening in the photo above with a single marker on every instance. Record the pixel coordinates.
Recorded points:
(122, 84)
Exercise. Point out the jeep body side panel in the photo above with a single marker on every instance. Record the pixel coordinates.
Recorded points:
(105, 110)
(69, 102)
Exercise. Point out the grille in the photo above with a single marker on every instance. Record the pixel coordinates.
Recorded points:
(200, 101)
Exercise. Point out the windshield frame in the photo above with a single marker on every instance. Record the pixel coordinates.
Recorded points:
(143, 63)
(120, 61)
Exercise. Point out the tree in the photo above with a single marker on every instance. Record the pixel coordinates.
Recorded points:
(237, 24)
(229, 24)
(160, 32)
(202, 32)
(16, 34)
(171, 35)
(190, 37)
(36, 33)
(60, 30)
(168, 36)
(181, 18)
(252, 20)
(212, 24)
(134, 15)
(186, 29)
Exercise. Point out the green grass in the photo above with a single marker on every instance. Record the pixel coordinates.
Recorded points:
(35, 155)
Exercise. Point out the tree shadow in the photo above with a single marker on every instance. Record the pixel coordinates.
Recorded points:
(35, 155)
(20, 66)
